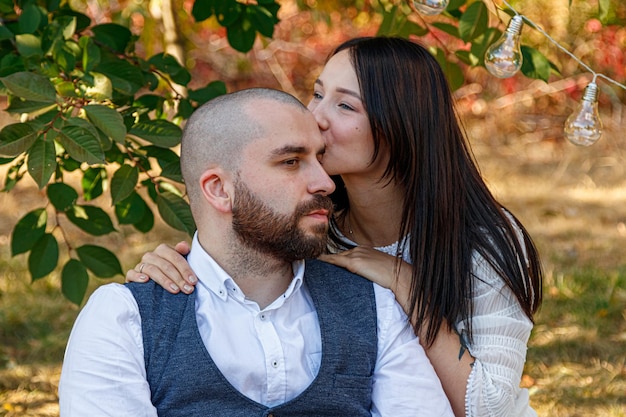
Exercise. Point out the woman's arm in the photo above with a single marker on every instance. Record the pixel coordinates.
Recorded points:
(486, 373)
(167, 266)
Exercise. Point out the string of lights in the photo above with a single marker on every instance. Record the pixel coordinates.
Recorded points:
(503, 59)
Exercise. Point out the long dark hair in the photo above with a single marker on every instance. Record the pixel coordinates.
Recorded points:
(448, 211)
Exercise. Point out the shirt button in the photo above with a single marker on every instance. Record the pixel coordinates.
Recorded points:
(275, 364)
(262, 316)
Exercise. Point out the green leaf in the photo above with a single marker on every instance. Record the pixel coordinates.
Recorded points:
(74, 281)
(455, 5)
(447, 28)
(102, 262)
(19, 106)
(411, 28)
(202, 10)
(5, 33)
(125, 78)
(389, 17)
(52, 5)
(92, 183)
(108, 120)
(91, 53)
(42, 161)
(123, 182)
(452, 71)
(467, 57)
(168, 160)
(82, 21)
(29, 20)
(160, 132)
(150, 101)
(65, 58)
(606, 12)
(28, 45)
(474, 21)
(131, 210)
(176, 212)
(145, 224)
(169, 65)
(228, 12)
(12, 177)
(90, 219)
(62, 196)
(535, 64)
(51, 37)
(212, 90)
(16, 138)
(69, 164)
(68, 26)
(114, 36)
(43, 257)
(81, 144)
(262, 20)
(30, 86)
(28, 230)
(241, 34)
(101, 89)
(80, 122)
(66, 89)
(185, 109)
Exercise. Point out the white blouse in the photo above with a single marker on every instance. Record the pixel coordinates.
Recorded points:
(500, 331)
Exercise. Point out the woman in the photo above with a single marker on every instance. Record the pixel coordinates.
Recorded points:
(414, 215)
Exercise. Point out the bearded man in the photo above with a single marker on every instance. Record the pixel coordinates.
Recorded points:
(266, 333)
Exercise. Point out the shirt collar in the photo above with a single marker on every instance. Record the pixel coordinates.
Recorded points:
(211, 275)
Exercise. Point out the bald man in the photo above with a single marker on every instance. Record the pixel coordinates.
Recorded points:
(265, 333)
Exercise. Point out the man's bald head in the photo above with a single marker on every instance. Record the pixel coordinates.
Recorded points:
(217, 131)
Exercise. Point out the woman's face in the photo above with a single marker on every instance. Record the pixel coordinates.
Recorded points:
(341, 117)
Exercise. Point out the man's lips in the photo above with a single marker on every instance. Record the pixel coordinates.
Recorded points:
(320, 214)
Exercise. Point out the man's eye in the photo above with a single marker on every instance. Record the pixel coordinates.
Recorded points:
(291, 162)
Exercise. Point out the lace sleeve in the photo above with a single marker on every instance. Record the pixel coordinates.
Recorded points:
(500, 335)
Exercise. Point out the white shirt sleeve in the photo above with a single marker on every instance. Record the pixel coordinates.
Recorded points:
(103, 371)
(405, 382)
(500, 336)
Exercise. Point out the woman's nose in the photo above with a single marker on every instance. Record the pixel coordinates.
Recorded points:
(320, 117)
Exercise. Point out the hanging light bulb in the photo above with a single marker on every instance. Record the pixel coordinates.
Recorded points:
(584, 126)
(504, 57)
(430, 7)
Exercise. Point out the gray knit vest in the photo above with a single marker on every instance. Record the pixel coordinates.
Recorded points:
(184, 380)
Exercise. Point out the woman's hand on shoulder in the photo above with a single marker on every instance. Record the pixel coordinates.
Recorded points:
(370, 263)
(167, 266)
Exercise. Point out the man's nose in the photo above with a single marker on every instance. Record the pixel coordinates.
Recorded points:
(321, 183)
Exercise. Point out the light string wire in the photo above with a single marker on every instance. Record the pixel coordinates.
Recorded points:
(565, 50)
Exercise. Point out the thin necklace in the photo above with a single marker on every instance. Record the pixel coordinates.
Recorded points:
(348, 224)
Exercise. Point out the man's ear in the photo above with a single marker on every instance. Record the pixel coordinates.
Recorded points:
(217, 189)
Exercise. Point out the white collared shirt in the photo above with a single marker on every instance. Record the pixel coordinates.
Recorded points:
(270, 355)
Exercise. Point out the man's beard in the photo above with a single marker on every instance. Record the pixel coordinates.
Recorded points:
(262, 229)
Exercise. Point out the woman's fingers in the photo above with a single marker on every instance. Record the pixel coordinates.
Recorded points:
(167, 267)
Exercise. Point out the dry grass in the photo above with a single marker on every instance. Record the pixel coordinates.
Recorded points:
(573, 201)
